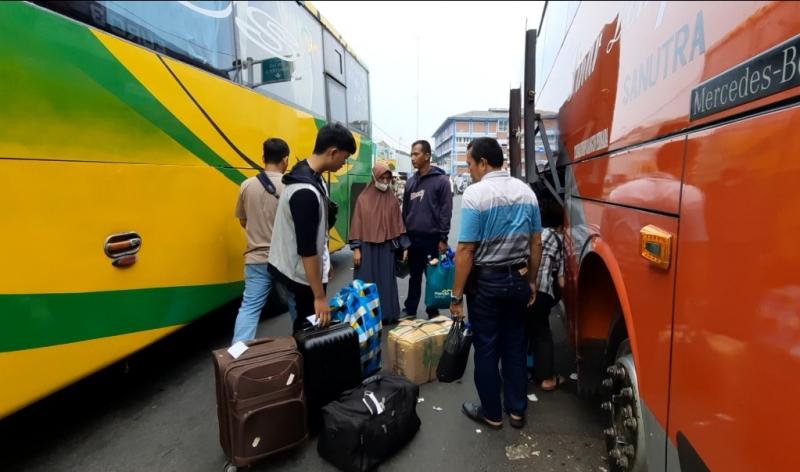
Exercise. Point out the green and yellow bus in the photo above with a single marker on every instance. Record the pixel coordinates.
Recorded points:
(125, 131)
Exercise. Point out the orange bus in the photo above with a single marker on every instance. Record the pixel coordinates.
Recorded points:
(676, 153)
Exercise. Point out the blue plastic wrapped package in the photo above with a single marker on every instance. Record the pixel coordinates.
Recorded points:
(358, 304)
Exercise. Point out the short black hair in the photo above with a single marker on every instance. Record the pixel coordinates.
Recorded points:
(426, 146)
(334, 135)
(551, 211)
(275, 150)
(486, 148)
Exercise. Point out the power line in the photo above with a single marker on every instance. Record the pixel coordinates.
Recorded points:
(388, 136)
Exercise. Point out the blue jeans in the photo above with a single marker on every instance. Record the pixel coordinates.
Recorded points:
(257, 285)
(497, 314)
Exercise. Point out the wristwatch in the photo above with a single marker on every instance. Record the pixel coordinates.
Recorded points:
(456, 300)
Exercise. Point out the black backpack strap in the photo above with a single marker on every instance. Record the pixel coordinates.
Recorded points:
(554, 268)
(268, 185)
(559, 252)
(558, 241)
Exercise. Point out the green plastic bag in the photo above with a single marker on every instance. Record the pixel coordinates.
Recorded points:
(439, 282)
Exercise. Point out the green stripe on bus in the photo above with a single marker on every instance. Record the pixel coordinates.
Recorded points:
(117, 79)
(39, 320)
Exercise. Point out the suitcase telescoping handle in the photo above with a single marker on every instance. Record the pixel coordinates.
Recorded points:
(333, 324)
(256, 342)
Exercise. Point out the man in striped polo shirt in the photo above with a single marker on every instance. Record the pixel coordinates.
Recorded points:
(497, 261)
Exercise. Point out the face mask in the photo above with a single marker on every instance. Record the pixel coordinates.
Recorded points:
(381, 186)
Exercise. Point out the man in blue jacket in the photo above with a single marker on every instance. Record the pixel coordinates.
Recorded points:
(427, 208)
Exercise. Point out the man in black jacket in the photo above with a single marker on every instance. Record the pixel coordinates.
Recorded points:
(427, 208)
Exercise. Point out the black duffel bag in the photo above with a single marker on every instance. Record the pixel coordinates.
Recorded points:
(369, 423)
(455, 354)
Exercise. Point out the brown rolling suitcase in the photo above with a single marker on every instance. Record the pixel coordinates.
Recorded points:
(261, 405)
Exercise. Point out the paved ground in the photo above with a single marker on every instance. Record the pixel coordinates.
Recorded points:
(157, 412)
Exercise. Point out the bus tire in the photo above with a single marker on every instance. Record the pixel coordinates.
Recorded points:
(624, 434)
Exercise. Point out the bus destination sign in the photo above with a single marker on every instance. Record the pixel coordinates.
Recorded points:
(770, 72)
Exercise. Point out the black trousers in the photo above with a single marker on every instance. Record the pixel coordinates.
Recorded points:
(422, 246)
(303, 298)
(540, 338)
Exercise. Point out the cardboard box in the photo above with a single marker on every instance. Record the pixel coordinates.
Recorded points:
(415, 347)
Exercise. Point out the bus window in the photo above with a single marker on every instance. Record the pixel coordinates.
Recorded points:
(202, 36)
(337, 102)
(572, 9)
(285, 44)
(334, 58)
(357, 95)
(554, 29)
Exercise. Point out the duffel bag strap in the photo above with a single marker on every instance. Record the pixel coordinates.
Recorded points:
(375, 378)
(374, 406)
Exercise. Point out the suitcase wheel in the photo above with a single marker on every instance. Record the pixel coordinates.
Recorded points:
(230, 467)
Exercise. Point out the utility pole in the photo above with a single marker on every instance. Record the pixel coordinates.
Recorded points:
(417, 87)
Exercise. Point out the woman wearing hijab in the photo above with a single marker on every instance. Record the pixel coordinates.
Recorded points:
(376, 231)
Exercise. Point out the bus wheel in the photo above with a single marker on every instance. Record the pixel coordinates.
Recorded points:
(624, 435)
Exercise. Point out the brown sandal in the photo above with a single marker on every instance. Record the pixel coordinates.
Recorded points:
(560, 380)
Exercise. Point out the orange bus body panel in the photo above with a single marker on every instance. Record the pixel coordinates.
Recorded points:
(648, 177)
(715, 336)
(648, 291)
(736, 353)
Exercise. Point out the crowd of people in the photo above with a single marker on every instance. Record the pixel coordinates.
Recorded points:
(509, 268)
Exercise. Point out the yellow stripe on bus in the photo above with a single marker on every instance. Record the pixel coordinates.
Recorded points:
(54, 238)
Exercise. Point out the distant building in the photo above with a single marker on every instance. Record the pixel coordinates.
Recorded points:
(403, 162)
(383, 152)
(456, 132)
(399, 161)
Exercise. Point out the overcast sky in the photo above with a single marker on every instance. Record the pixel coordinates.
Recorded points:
(470, 55)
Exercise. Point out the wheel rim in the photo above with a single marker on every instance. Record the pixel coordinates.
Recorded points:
(624, 436)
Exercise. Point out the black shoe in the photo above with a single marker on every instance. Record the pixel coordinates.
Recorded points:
(474, 412)
(432, 314)
(518, 423)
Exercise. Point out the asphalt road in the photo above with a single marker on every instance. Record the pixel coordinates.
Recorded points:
(156, 411)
